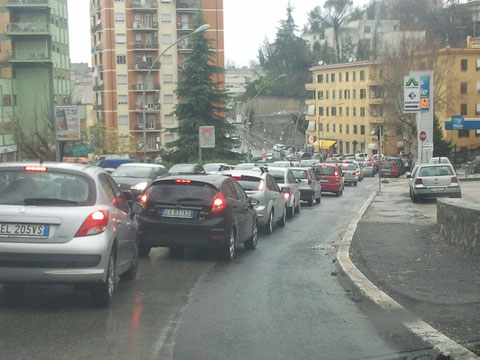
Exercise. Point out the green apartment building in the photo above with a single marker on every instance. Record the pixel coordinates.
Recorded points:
(34, 75)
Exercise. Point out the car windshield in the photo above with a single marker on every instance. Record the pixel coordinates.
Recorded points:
(278, 175)
(435, 171)
(133, 171)
(248, 183)
(47, 188)
(212, 167)
(182, 168)
(172, 192)
(324, 170)
(300, 174)
(281, 164)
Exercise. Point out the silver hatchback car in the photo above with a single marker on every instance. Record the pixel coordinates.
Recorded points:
(260, 185)
(434, 181)
(65, 223)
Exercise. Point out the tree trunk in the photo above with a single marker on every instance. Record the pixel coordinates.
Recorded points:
(337, 45)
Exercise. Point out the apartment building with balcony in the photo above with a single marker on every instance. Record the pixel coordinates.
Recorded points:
(127, 36)
(34, 67)
(348, 101)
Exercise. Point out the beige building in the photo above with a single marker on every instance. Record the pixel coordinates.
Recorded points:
(127, 37)
(348, 106)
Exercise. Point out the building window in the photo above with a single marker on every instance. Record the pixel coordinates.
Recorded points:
(320, 111)
(363, 93)
(333, 94)
(339, 76)
(119, 17)
(320, 78)
(366, 29)
(362, 75)
(7, 100)
(166, 39)
(478, 66)
(340, 128)
(339, 94)
(347, 147)
(332, 78)
(340, 111)
(463, 109)
(347, 111)
(347, 94)
(347, 129)
(121, 59)
(477, 109)
(320, 127)
(120, 38)
(362, 129)
(166, 18)
(354, 111)
(328, 111)
(121, 79)
(334, 111)
(463, 88)
(167, 78)
(355, 129)
(167, 59)
(328, 127)
(122, 99)
(328, 93)
(168, 99)
(362, 111)
(463, 64)
(354, 93)
(354, 75)
(168, 119)
(463, 133)
(346, 76)
(334, 128)
(169, 138)
(123, 120)
(320, 95)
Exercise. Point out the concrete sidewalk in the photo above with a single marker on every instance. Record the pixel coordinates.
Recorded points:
(398, 248)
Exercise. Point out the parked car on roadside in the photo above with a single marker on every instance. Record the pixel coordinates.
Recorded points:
(196, 211)
(65, 224)
(289, 186)
(330, 177)
(271, 208)
(440, 160)
(434, 180)
(137, 176)
(368, 168)
(389, 169)
(475, 164)
(187, 169)
(310, 188)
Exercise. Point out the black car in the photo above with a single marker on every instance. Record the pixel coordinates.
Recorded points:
(136, 176)
(207, 211)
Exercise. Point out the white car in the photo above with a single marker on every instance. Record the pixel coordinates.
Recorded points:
(289, 185)
(440, 160)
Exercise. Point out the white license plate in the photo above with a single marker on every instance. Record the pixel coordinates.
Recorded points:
(439, 189)
(324, 180)
(177, 213)
(30, 230)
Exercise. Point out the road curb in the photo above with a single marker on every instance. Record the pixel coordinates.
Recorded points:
(469, 179)
(438, 341)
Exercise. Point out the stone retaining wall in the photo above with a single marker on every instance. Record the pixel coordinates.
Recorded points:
(459, 224)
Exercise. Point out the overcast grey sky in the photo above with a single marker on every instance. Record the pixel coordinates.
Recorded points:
(247, 23)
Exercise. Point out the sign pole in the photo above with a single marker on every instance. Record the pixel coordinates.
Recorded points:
(379, 159)
(200, 154)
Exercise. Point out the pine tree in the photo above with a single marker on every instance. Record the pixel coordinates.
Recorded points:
(201, 103)
(441, 147)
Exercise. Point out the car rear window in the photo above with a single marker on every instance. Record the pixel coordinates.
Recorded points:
(47, 187)
(324, 170)
(348, 167)
(182, 168)
(300, 174)
(387, 165)
(435, 171)
(176, 192)
(278, 175)
(133, 171)
(248, 183)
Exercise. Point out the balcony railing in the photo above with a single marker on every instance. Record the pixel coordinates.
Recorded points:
(148, 107)
(96, 48)
(98, 87)
(29, 55)
(98, 107)
(140, 26)
(144, 6)
(189, 6)
(144, 46)
(30, 3)
(96, 27)
(143, 65)
(155, 127)
(139, 87)
(26, 28)
(184, 26)
(95, 9)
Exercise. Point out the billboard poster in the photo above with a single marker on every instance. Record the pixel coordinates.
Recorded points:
(425, 93)
(67, 123)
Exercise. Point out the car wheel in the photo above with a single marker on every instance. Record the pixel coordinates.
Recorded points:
(131, 273)
(415, 198)
(144, 250)
(310, 202)
(228, 252)
(297, 208)
(176, 251)
(283, 220)
(355, 184)
(268, 229)
(251, 243)
(102, 293)
(290, 212)
(319, 199)
(12, 292)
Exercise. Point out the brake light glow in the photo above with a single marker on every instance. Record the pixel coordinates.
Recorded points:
(418, 182)
(236, 176)
(286, 194)
(336, 173)
(357, 173)
(143, 199)
(218, 203)
(183, 181)
(37, 169)
(261, 186)
(454, 180)
(96, 223)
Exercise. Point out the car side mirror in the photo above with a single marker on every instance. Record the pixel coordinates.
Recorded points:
(128, 195)
(137, 209)
(409, 175)
(253, 202)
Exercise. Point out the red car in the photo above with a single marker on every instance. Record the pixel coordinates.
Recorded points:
(389, 169)
(330, 176)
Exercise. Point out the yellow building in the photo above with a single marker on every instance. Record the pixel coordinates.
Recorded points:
(349, 106)
(461, 89)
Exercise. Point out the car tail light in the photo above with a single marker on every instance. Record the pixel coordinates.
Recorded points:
(356, 173)
(336, 173)
(261, 186)
(309, 181)
(96, 223)
(36, 169)
(218, 203)
(236, 176)
(183, 181)
(454, 180)
(143, 199)
(418, 182)
(286, 193)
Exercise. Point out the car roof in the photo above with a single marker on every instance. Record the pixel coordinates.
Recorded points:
(300, 168)
(215, 179)
(325, 164)
(86, 168)
(244, 173)
(142, 165)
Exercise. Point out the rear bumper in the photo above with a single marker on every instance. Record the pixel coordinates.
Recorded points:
(327, 187)
(438, 192)
(306, 194)
(351, 180)
(210, 234)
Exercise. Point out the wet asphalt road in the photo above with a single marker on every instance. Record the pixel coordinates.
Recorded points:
(279, 301)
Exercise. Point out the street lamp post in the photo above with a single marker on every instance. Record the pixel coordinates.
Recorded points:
(145, 82)
(256, 95)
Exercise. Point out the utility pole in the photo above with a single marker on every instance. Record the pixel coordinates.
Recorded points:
(379, 134)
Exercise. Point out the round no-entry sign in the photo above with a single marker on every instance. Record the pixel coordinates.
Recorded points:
(422, 136)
